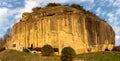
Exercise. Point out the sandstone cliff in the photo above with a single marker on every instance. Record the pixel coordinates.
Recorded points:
(62, 26)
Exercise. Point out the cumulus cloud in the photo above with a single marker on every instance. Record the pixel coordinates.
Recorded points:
(117, 42)
(116, 3)
(98, 11)
(6, 12)
(29, 4)
(117, 29)
(112, 18)
(117, 38)
(3, 15)
(117, 11)
(101, 12)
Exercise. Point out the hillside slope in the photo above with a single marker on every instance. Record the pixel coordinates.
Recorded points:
(13, 55)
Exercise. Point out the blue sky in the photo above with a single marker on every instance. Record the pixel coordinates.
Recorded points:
(11, 10)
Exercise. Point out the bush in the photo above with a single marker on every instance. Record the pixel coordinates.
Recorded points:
(77, 6)
(2, 49)
(53, 4)
(37, 49)
(36, 8)
(67, 54)
(26, 50)
(47, 50)
(66, 5)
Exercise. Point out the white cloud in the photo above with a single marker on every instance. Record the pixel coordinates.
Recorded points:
(98, 11)
(110, 2)
(29, 4)
(117, 42)
(6, 4)
(117, 38)
(79, 1)
(116, 3)
(117, 29)
(112, 18)
(3, 15)
(117, 11)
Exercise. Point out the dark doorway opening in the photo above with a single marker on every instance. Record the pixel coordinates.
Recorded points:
(14, 45)
(107, 49)
(56, 49)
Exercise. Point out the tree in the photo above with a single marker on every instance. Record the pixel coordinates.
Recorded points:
(2, 43)
(7, 34)
(68, 54)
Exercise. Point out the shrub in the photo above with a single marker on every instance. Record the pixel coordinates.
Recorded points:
(37, 49)
(53, 4)
(77, 6)
(67, 54)
(66, 5)
(47, 50)
(2, 49)
(36, 8)
(26, 50)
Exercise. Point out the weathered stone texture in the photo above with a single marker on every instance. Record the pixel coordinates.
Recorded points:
(61, 27)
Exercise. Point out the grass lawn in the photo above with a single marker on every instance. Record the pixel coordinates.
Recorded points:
(100, 56)
(12, 55)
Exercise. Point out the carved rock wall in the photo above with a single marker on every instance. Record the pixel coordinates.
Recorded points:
(61, 27)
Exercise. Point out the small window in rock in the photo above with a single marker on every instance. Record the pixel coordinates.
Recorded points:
(14, 45)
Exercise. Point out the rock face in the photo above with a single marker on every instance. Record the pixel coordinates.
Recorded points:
(60, 27)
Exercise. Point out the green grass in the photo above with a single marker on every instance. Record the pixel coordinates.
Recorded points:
(100, 56)
(12, 55)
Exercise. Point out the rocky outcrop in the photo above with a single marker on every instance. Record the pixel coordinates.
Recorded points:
(62, 26)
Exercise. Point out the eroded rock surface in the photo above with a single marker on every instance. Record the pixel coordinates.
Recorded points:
(62, 26)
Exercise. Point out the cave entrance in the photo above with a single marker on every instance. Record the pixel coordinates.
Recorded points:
(14, 45)
(107, 49)
(56, 49)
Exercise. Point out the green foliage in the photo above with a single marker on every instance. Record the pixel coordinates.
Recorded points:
(37, 49)
(47, 50)
(66, 5)
(77, 6)
(67, 54)
(53, 4)
(100, 56)
(13, 55)
(36, 8)
(26, 50)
